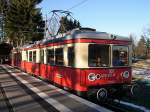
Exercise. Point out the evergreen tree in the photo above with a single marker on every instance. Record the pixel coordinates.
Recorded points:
(63, 25)
(3, 6)
(67, 25)
(23, 21)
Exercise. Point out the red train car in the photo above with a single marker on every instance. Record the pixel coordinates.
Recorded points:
(84, 61)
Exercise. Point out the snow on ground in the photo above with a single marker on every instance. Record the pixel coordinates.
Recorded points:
(141, 71)
(148, 60)
(143, 74)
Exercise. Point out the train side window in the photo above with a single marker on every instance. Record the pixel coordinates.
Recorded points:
(50, 56)
(30, 56)
(98, 55)
(34, 56)
(42, 56)
(59, 57)
(71, 56)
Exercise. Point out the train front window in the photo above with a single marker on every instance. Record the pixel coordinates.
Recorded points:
(98, 55)
(120, 56)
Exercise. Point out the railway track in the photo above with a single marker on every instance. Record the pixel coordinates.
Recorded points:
(6, 105)
(116, 106)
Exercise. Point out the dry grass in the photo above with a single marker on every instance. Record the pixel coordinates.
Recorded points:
(142, 64)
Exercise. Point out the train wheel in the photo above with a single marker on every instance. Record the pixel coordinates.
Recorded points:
(81, 94)
(102, 94)
(135, 90)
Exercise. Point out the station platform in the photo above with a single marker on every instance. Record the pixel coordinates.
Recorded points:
(21, 92)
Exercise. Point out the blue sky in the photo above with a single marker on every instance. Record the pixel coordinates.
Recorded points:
(114, 16)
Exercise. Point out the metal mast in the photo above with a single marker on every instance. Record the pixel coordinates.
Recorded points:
(53, 23)
(1, 27)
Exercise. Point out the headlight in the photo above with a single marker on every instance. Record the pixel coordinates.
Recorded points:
(92, 77)
(125, 74)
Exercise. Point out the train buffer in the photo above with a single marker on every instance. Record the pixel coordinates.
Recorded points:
(21, 92)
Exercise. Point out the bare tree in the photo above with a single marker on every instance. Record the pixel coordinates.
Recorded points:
(141, 47)
(133, 39)
(146, 35)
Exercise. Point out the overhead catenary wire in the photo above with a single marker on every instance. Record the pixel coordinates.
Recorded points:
(78, 4)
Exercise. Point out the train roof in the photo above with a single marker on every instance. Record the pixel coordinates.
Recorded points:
(84, 33)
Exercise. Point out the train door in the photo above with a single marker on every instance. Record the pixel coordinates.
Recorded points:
(17, 59)
(59, 70)
(24, 60)
(50, 60)
(43, 66)
(36, 62)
